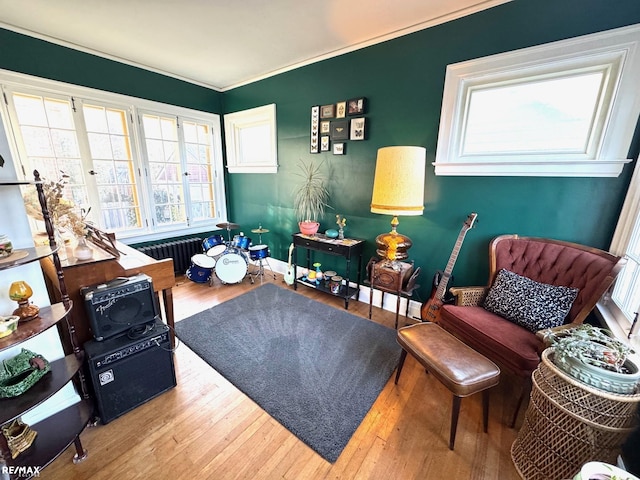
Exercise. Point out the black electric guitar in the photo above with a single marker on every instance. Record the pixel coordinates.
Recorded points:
(430, 310)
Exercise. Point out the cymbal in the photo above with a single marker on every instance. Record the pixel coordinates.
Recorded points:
(227, 225)
(260, 230)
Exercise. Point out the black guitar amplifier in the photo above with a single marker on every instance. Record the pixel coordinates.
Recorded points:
(117, 306)
(128, 372)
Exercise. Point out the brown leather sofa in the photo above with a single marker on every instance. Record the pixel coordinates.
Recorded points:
(513, 347)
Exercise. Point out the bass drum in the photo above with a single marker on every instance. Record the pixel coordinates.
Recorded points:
(231, 267)
(201, 268)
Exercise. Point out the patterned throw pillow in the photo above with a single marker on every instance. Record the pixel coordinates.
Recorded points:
(530, 304)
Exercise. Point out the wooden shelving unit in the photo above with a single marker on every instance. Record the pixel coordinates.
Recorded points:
(60, 430)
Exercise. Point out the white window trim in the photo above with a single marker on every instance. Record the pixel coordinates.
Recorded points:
(24, 82)
(615, 47)
(606, 309)
(233, 125)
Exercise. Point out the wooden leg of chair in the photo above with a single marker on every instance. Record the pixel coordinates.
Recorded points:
(455, 411)
(525, 390)
(485, 410)
(403, 356)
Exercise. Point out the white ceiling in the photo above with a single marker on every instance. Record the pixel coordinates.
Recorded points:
(226, 43)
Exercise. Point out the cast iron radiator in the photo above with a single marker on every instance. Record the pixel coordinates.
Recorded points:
(180, 250)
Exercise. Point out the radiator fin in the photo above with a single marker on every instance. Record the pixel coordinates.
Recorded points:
(180, 250)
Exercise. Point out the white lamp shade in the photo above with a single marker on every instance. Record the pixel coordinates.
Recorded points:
(398, 186)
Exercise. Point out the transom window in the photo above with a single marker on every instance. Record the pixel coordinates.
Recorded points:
(567, 108)
(537, 115)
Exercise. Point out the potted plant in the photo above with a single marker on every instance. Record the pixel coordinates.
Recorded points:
(310, 197)
(595, 357)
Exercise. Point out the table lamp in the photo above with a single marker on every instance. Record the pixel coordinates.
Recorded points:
(398, 189)
(20, 292)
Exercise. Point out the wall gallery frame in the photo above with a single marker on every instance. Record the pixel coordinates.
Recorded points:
(357, 131)
(339, 130)
(315, 129)
(328, 111)
(356, 106)
(330, 127)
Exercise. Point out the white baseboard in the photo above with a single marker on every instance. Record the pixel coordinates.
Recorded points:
(390, 300)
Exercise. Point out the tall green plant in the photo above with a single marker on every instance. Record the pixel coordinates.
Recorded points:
(311, 196)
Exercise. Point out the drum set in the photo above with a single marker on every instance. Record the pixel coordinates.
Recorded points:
(229, 259)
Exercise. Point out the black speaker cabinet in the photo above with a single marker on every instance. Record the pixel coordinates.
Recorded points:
(117, 306)
(126, 373)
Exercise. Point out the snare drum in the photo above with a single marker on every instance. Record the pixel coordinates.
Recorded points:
(231, 267)
(240, 241)
(201, 268)
(214, 245)
(258, 252)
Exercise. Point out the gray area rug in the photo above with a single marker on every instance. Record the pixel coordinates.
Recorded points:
(314, 368)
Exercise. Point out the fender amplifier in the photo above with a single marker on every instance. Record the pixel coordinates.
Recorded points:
(117, 306)
(129, 370)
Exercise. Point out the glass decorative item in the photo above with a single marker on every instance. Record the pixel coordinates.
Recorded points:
(318, 272)
(60, 242)
(341, 222)
(82, 251)
(20, 292)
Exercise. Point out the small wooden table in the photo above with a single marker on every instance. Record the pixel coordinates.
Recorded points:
(389, 280)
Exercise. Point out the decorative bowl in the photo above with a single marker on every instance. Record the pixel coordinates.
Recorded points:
(602, 471)
(8, 325)
(331, 233)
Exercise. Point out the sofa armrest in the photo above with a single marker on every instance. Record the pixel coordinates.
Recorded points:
(469, 296)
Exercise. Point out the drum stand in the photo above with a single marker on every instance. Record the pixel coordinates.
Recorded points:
(260, 271)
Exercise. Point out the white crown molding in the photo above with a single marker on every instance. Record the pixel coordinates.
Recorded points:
(334, 53)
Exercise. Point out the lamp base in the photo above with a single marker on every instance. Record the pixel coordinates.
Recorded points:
(26, 311)
(386, 243)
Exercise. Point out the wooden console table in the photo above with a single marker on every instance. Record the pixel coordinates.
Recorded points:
(348, 248)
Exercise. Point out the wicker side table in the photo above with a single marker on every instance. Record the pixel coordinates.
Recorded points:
(568, 424)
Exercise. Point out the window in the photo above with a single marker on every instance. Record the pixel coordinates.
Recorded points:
(145, 169)
(563, 109)
(165, 169)
(620, 307)
(112, 167)
(251, 140)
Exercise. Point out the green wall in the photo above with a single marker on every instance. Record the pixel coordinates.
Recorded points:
(20, 53)
(403, 81)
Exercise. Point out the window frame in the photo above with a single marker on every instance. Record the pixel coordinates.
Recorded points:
(607, 309)
(616, 51)
(23, 83)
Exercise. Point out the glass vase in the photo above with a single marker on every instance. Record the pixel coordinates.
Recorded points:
(82, 251)
(62, 248)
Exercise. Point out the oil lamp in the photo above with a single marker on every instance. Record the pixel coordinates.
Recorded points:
(20, 292)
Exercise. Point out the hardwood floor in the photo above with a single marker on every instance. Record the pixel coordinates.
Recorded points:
(207, 429)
